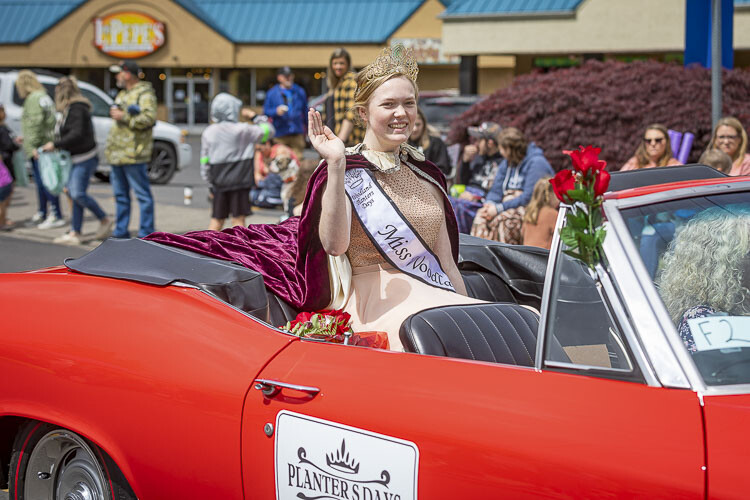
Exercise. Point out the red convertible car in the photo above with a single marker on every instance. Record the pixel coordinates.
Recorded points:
(143, 371)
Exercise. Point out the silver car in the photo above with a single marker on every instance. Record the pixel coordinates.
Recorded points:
(171, 153)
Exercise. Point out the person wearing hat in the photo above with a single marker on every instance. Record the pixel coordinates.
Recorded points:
(479, 164)
(129, 146)
(286, 106)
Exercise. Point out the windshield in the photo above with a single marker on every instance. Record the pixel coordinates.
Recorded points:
(697, 252)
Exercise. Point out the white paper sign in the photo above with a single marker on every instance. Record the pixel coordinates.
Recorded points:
(319, 459)
(720, 332)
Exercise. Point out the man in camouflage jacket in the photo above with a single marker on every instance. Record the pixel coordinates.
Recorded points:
(129, 147)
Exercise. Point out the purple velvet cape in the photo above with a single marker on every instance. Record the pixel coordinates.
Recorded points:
(289, 255)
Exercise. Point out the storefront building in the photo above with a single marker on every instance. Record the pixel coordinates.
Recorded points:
(553, 33)
(192, 49)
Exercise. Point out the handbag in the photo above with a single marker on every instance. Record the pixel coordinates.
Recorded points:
(19, 168)
(5, 177)
(54, 168)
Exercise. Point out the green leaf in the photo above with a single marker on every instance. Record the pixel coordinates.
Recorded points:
(573, 254)
(568, 236)
(601, 233)
(577, 220)
(587, 240)
(577, 194)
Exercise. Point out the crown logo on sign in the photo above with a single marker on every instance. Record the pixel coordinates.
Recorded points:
(341, 460)
(396, 59)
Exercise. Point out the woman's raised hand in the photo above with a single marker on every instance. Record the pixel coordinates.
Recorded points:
(325, 142)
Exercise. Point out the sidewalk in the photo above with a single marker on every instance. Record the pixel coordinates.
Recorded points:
(169, 218)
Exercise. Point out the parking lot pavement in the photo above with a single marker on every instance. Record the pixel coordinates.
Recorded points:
(170, 218)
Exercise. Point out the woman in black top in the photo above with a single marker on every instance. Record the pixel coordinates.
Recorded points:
(75, 134)
(433, 148)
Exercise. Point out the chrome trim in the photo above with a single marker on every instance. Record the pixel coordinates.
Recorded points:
(551, 262)
(623, 321)
(576, 366)
(725, 390)
(272, 387)
(676, 194)
(645, 307)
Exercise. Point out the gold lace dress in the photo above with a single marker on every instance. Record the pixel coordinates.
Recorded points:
(382, 296)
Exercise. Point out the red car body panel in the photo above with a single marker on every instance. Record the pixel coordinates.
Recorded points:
(156, 378)
(728, 444)
(484, 427)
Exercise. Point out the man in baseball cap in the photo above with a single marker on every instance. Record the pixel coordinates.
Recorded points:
(286, 106)
(487, 130)
(129, 147)
(129, 66)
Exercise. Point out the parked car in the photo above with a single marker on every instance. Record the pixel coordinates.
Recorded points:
(441, 110)
(163, 375)
(170, 154)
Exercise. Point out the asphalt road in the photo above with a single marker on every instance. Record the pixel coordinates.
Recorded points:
(18, 254)
(173, 193)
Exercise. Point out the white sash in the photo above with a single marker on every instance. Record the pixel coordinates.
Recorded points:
(390, 232)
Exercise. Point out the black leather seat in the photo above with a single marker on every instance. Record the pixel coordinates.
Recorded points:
(498, 333)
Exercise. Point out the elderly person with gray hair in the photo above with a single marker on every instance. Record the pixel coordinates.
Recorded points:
(706, 270)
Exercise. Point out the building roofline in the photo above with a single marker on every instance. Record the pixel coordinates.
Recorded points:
(511, 16)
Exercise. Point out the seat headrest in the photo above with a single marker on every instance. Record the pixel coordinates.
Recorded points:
(493, 332)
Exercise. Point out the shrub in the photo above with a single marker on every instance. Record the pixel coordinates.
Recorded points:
(609, 104)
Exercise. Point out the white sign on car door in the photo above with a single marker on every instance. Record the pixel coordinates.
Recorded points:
(320, 459)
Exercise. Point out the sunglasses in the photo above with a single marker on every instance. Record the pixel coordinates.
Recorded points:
(653, 141)
(727, 137)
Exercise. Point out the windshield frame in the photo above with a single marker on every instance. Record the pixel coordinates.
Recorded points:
(640, 277)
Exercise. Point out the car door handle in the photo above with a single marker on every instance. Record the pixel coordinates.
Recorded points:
(272, 387)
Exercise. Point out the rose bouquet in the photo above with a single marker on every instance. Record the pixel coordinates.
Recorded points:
(582, 188)
(333, 326)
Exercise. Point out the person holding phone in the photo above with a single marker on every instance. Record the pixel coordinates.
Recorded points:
(286, 106)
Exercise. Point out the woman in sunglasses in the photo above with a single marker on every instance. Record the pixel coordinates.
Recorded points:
(730, 136)
(653, 151)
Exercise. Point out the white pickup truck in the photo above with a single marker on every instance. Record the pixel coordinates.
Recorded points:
(171, 153)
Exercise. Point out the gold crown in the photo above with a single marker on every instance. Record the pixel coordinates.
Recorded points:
(393, 60)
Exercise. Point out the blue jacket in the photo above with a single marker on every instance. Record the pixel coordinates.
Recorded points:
(293, 121)
(524, 176)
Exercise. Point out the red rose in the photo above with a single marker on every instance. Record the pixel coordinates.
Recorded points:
(562, 182)
(586, 158)
(601, 183)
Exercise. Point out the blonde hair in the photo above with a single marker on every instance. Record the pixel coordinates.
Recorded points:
(642, 156)
(26, 83)
(67, 92)
(717, 159)
(514, 143)
(731, 121)
(365, 89)
(704, 263)
(542, 196)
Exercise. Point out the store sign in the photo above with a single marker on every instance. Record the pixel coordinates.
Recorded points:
(427, 50)
(128, 35)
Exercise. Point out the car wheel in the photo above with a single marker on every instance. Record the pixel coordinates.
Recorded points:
(50, 462)
(163, 163)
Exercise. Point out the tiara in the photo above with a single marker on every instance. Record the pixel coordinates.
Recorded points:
(396, 59)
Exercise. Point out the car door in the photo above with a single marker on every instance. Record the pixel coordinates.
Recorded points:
(399, 425)
(728, 444)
